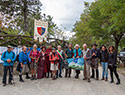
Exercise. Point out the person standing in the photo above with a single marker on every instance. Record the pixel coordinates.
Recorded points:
(41, 71)
(23, 64)
(104, 62)
(112, 59)
(94, 65)
(69, 54)
(77, 52)
(85, 50)
(87, 55)
(61, 60)
(34, 55)
(54, 60)
(47, 62)
(8, 57)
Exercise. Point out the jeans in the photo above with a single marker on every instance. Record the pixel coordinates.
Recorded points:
(104, 69)
(6, 68)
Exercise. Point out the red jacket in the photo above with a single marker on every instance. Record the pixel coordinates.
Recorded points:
(52, 57)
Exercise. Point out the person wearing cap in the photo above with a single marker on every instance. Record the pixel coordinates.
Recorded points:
(54, 60)
(41, 71)
(23, 64)
(61, 60)
(77, 52)
(47, 63)
(87, 55)
(8, 57)
(69, 54)
(95, 60)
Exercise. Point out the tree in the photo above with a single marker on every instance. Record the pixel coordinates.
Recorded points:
(107, 20)
(102, 21)
(18, 11)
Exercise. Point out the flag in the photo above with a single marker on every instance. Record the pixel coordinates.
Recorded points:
(40, 30)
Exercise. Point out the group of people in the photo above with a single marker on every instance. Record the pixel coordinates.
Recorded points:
(49, 62)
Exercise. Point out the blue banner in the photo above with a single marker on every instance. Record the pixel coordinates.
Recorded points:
(77, 63)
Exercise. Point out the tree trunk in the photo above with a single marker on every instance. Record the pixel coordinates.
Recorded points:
(116, 45)
(117, 38)
(25, 16)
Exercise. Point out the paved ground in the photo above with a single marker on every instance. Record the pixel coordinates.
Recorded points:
(64, 86)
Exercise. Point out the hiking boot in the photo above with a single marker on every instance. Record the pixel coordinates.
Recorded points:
(27, 76)
(76, 77)
(10, 83)
(84, 79)
(21, 79)
(111, 81)
(102, 78)
(35, 78)
(65, 76)
(97, 78)
(60, 76)
(118, 82)
(4, 84)
(106, 79)
(69, 76)
(89, 80)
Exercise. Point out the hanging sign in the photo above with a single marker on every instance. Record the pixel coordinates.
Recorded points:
(40, 30)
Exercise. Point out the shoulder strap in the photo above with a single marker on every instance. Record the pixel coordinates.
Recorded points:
(4, 54)
(13, 54)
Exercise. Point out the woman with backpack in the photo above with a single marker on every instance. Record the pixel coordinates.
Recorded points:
(54, 60)
(34, 55)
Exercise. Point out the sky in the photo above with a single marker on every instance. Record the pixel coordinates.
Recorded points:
(64, 12)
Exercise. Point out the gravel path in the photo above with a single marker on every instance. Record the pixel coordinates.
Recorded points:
(63, 86)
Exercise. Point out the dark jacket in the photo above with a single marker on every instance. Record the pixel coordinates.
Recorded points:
(89, 57)
(104, 56)
(96, 51)
(112, 58)
(69, 53)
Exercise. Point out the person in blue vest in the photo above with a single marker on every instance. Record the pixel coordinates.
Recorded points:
(77, 53)
(8, 57)
(23, 64)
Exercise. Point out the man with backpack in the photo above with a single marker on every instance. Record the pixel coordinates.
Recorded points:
(23, 64)
(8, 57)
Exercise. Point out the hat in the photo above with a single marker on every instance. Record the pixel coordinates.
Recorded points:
(43, 47)
(76, 46)
(53, 49)
(9, 46)
(94, 44)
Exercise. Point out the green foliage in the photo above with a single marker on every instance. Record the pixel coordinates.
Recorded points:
(18, 12)
(102, 22)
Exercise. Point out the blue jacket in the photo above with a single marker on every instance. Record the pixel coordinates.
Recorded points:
(23, 57)
(8, 55)
(79, 52)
